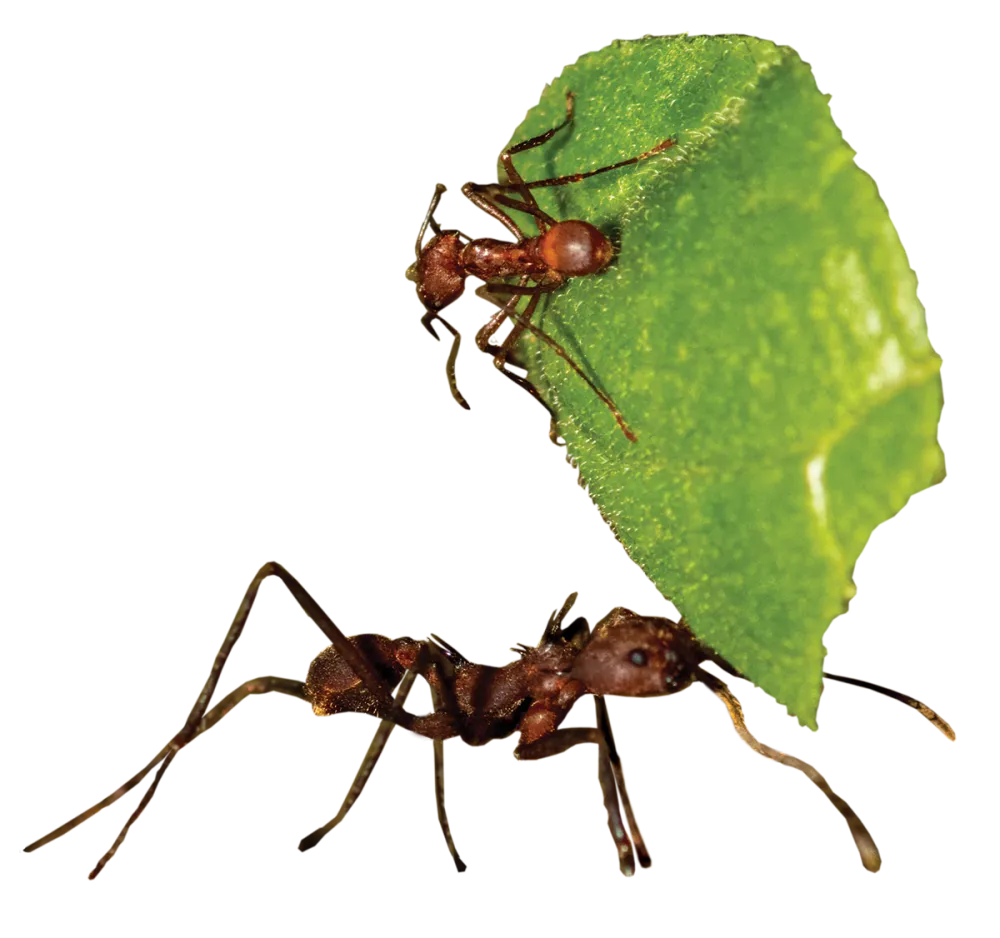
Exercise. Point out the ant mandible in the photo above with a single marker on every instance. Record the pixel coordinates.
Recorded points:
(542, 264)
(626, 654)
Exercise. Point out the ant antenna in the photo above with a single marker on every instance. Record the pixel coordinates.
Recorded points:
(922, 708)
(429, 217)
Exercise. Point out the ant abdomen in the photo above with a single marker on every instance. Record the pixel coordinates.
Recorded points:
(333, 687)
(575, 248)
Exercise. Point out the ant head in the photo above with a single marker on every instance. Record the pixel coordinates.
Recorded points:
(637, 656)
(575, 248)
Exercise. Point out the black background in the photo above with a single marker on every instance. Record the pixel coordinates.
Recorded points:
(226, 370)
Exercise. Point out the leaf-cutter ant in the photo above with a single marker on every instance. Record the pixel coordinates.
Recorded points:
(625, 654)
(541, 264)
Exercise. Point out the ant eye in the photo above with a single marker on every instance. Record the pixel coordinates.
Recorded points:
(637, 657)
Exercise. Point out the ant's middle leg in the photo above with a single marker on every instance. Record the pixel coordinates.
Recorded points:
(443, 699)
(506, 158)
(378, 742)
(440, 681)
(485, 196)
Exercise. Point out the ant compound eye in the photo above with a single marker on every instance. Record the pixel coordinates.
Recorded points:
(638, 657)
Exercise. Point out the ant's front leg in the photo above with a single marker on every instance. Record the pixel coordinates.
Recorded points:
(543, 737)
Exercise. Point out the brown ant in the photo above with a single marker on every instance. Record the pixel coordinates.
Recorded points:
(625, 654)
(542, 263)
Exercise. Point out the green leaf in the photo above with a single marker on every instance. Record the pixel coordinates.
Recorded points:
(759, 330)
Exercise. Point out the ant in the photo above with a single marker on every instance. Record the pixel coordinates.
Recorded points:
(561, 249)
(625, 654)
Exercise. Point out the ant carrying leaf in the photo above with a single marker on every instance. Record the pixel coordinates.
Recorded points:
(626, 654)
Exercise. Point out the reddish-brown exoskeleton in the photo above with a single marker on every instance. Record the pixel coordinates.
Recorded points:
(541, 264)
(626, 654)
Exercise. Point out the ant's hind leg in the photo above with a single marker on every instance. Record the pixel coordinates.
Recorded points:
(261, 685)
(380, 695)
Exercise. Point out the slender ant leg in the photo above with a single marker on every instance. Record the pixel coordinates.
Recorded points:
(378, 742)
(514, 177)
(428, 659)
(381, 702)
(608, 765)
(260, 685)
(523, 319)
(627, 838)
(631, 850)
(443, 698)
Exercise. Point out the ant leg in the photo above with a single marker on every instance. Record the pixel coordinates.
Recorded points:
(490, 291)
(420, 666)
(922, 708)
(497, 319)
(427, 319)
(381, 697)
(443, 701)
(522, 319)
(500, 352)
(627, 840)
(576, 177)
(261, 685)
(477, 195)
(514, 177)
(862, 839)
(378, 742)
(523, 189)
(490, 198)
(482, 196)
